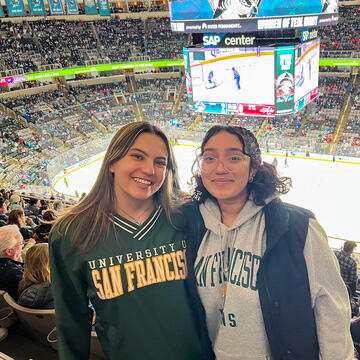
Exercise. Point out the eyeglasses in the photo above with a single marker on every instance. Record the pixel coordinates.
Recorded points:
(230, 163)
(20, 244)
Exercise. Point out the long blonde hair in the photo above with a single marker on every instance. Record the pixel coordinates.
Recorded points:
(37, 264)
(93, 212)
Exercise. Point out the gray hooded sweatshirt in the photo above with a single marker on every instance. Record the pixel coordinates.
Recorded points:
(226, 269)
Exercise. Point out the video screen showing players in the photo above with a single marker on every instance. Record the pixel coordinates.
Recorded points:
(306, 73)
(232, 75)
(235, 9)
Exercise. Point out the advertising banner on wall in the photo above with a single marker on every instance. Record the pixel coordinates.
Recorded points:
(90, 7)
(37, 7)
(56, 7)
(15, 7)
(284, 80)
(71, 7)
(6, 81)
(104, 9)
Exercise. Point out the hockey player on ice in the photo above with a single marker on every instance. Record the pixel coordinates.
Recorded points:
(299, 80)
(236, 77)
(211, 84)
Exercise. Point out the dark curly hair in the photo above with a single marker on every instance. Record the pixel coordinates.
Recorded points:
(266, 181)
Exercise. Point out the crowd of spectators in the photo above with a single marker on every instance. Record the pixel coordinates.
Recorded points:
(17, 47)
(63, 43)
(157, 34)
(82, 113)
(25, 223)
(349, 28)
(120, 39)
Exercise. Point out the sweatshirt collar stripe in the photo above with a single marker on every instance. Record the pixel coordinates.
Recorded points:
(118, 220)
(150, 223)
(121, 227)
(150, 227)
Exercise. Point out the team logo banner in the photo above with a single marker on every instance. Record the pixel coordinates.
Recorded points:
(104, 9)
(37, 7)
(90, 7)
(71, 7)
(56, 7)
(15, 7)
(284, 92)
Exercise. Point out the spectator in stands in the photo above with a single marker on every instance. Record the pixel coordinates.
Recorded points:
(120, 228)
(41, 233)
(35, 289)
(15, 201)
(17, 217)
(271, 273)
(11, 263)
(3, 212)
(33, 208)
(58, 206)
(43, 208)
(348, 265)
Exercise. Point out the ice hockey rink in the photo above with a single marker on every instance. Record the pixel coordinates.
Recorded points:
(252, 72)
(330, 189)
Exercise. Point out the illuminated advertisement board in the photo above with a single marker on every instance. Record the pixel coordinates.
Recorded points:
(145, 64)
(6, 81)
(250, 15)
(105, 67)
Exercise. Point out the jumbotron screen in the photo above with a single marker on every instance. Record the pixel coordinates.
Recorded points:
(231, 80)
(204, 16)
(306, 73)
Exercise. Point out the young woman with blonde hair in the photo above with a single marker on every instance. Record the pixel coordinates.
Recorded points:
(120, 250)
(35, 289)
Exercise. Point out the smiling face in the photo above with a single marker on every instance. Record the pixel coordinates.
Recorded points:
(225, 170)
(141, 172)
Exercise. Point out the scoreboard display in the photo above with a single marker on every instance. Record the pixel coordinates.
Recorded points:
(231, 80)
(252, 81)
(306, 73)
(200, 16)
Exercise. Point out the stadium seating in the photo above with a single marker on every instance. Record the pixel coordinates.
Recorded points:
(38, 322)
